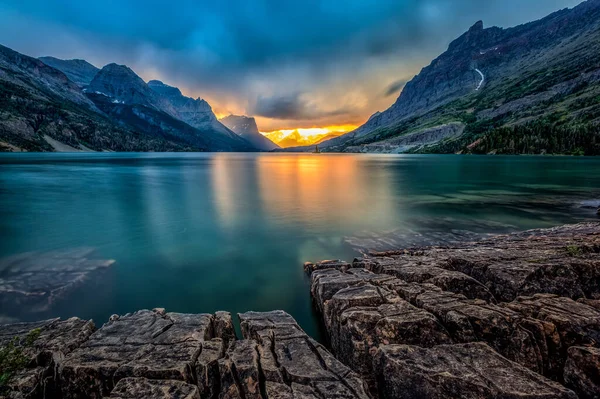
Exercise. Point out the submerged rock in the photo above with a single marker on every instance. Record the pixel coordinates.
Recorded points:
(32, 282)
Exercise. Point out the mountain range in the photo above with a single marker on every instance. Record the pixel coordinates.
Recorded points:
(49, 104)
(533, 88)
(529, 89)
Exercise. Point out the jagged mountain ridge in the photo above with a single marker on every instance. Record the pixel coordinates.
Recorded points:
(43, 110)
(484, 75)
(121, 84)
(246, 127)
(195, 112)
(125, 89)
(40, 106)
(79, 72)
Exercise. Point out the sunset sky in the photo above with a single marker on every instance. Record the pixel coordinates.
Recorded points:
(302, 64)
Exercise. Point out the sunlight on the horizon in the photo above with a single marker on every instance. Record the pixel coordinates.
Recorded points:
(306, 136)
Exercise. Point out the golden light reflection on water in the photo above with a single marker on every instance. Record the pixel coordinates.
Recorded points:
(304, 189)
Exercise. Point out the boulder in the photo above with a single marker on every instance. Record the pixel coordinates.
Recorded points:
(361, 318)
(566, 323)
(239, 371)
(472, 370)
(207, 367)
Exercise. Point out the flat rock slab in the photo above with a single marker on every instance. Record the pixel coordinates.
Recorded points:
(32, 282)
(142, 388)
(414, 270)
(471, 370)
(564, 260)
(149, 344)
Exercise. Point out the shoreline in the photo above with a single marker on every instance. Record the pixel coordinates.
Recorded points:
(511, 315)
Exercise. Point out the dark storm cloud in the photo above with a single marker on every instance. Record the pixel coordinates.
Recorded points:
(227, 46)
(291, 107)
(395, 87)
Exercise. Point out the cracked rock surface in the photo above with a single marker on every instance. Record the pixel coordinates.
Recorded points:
(530, 298)
(156, 354)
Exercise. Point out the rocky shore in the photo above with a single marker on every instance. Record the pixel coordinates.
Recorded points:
(513, 316)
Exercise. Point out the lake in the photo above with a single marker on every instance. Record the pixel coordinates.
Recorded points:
(206, 232)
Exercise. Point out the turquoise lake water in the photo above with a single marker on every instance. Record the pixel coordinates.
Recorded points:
(207, 232)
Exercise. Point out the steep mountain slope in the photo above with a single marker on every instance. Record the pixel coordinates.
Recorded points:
(246, 127)
(79, 72)
(122, 85)
(541, 79)
(126, 98)
(40, 109)
(196, 113)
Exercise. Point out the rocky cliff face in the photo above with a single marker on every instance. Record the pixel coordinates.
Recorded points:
(195, 112)
(79, 72)
(41, 109)
(160, 110)
(487, 69)
(122, 85)
(246, 127)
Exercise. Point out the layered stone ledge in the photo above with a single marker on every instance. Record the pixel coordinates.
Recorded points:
(434, 322)
(156, 354)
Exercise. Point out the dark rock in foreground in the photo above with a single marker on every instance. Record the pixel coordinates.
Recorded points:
(131, 388)
(458, 371)
(154, 354)
(54, 339)
(582, 371)
(563, 260)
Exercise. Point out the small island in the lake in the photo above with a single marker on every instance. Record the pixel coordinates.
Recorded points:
(510, 316)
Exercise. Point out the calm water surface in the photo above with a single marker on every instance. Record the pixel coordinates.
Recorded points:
(207, 232)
